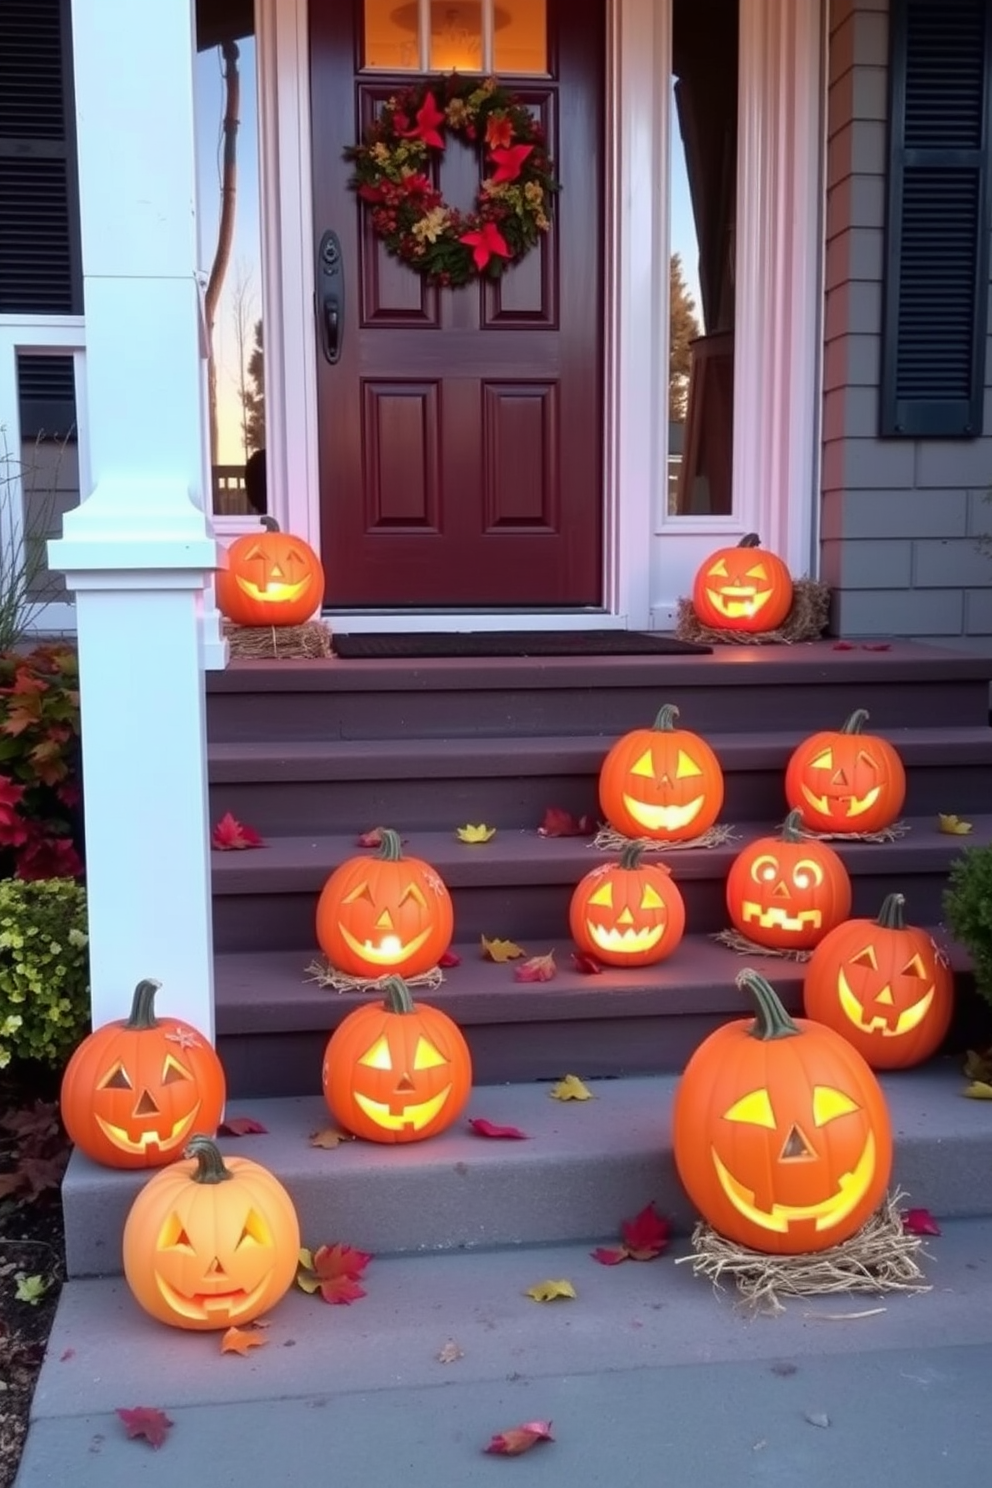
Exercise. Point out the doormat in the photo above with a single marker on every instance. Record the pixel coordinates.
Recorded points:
(515, 643)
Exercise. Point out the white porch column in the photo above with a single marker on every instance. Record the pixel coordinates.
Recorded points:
(139, 549)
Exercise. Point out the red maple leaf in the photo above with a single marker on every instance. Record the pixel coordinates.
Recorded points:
(429, 116)
(229, 835)
(536, 969)
(509, 162)
(449, 958)
(486, 243)
(484, 1128)
(241, 1126)
(560, 823)
(646, 1235)
(586, 964)
(843, 646)
(876, 646)
(146, 1421)
(337, 1269)
(517, 1439)
(920, 1222)
(609, 1257)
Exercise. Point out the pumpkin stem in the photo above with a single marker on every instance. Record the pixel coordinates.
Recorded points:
(269, 523)
(750, 540)
(856, 721)
(209, 1162)
(771, 1020)
(890, 916)
(666, 717)
(390, 848)
(142, 1015)
(792, 827)
(399, 998)
(631, 854)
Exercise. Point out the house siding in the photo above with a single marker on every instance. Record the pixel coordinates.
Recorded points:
(900, 519)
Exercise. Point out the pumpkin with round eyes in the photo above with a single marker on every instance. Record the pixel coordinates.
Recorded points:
(745, 588)
(786, 892)
(384, 914)
(781, 1134)
(884, 986)
(272, 578)
(664, 783)
(136, 1088)
(628, 913)
(212, 1242)
(845, 780)
(396, 1070)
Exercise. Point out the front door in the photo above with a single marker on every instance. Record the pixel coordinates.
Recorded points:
(460, 430)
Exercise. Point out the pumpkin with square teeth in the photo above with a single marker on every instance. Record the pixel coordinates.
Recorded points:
(272, 578)
(786, 892)
(395, 1070)
(136, 1088)
(884, 986)
(844, 780)
(384, 914)
(211, 1242)
(628, 913)
(744, 588)
(663, 782)
(780, 1131)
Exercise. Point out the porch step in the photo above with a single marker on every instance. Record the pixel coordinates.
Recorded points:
(298, 786)
(583, 1167)
(519, 885)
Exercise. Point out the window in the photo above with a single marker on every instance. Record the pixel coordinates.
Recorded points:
(457, 35)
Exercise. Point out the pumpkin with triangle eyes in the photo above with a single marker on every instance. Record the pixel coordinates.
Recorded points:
(628, 913)
(384, 914)
(781, 1134)
(272, 578)
(844, 780)
(136, 1088)
(745, 588)
(664, 783)
(786, 892)
(884, 986)
(211, 1242)
(395, 1070)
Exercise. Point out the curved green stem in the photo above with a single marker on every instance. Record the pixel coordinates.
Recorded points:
(631, 854)
(390, 848)
(142, 1015)
(269, 523)
(890, 916)
(209, 1162)
(750, 540)
(792, 826)
(667, 715)
(771, 1020)
(398, 997)
(856, 721)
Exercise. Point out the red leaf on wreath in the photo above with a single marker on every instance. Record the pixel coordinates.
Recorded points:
(499, 131)
(229, 835)
(429, 116)
(485, 244)
(509, 162)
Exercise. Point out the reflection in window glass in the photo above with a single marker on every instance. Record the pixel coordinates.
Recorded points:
(521, 36)
(231, 251)
(456, 36)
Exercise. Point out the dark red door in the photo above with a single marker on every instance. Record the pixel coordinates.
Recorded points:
(461, 429)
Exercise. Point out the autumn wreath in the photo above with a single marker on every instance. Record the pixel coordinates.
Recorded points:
(410, 215)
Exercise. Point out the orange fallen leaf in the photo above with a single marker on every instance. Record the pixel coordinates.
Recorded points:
(500, 950)
(536, 969)
(517, 1439)
(330, 1138)
(240, 1340)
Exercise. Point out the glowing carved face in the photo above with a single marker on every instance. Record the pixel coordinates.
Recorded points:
(664, 783)
(744, 588)
(787, 894)
(271, 579)
(629, 913)
(741, 595)
(846, 781)
(144, 1120)
(378, 916)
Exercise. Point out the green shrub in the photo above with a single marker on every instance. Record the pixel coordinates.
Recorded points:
(968, 907)
(44, 969)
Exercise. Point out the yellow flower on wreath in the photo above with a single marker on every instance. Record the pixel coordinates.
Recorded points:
(431, 226)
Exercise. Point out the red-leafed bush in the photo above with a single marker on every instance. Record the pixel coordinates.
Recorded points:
(41, 831)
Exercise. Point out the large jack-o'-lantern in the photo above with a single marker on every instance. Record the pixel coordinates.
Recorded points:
(396, 1070)
(788, 891)
(272, 578)
(384, 914)
(628, 913)
(781, 1134)
(745, 588)
(845, 780)
(212, 1242)
(136, 1088)
(883, 985)
(662, 782)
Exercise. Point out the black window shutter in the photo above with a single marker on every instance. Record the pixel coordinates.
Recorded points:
(935, 300)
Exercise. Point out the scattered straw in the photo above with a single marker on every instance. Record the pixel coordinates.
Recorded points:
(884, 834)
(881, 1257)
(806, 621)
(326, 975)
(278, 642)
(744, 947)
(607, 839)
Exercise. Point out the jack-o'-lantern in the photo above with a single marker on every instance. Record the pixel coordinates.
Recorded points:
(788, 891)
(745, 588)
(384, 914)
(664, 783)
(781, 1134)
(136, 1088)
(272, 578)
(845, 780)
(396, 1070)
(884, 986)
(628, 913)
(212, 1242)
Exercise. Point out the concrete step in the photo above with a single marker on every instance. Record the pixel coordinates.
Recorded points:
(583, 1166)
(297, 786)
(648, 1365)
(519, 885)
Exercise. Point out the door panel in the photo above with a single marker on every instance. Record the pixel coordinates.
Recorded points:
(461, 430)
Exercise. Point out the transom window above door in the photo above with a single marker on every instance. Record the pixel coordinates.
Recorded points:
(485, 36)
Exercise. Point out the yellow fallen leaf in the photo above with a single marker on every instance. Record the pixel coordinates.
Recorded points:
(329, 1137)
(547, 1291)
(571, 1088)
(481, 833)
(954, 825)
(240, 1340)
(500, 950)
(979, 1090)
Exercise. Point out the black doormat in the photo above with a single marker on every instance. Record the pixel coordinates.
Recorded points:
(515, 643)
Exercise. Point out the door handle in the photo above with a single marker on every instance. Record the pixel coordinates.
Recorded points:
(330, 294)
